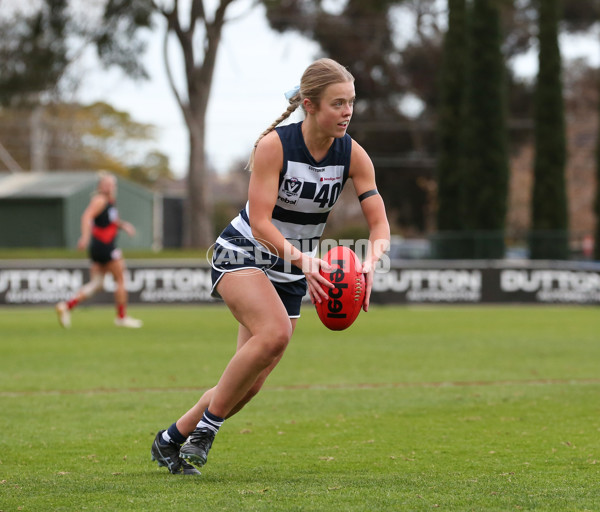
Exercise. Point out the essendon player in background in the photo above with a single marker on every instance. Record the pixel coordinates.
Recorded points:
(100, 225)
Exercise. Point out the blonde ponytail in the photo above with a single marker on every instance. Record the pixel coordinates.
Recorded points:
(295, 102)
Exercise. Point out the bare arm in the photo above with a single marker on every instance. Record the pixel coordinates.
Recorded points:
(127, 227)
(97, 204)
(262, 197)
(362, 173)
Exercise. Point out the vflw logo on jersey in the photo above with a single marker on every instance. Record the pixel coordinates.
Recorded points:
(291, 189)
(292, 186)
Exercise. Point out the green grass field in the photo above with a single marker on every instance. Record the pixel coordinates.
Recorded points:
(450, 408)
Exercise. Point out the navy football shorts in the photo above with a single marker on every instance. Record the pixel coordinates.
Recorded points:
(240, 256)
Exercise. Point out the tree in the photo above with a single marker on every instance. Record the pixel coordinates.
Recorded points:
(33, 53)
(117, 35)
(549, 237)
(450, 123)
(486, 157)
(597, 201)
(198, 33)
(38, 45)
(118, 42)
(33, 59)
(199, 61)
(362, 38)
(579, 15)
(88, 137)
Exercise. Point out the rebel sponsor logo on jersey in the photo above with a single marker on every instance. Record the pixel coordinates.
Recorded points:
(288, 201)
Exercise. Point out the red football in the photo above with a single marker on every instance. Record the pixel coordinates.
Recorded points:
(346, 299)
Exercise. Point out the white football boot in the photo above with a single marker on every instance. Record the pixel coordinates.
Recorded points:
(64, 315)
(127, 321)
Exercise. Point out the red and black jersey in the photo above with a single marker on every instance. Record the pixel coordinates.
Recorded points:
(106, 224)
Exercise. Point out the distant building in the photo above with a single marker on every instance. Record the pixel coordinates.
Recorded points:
(43, 209)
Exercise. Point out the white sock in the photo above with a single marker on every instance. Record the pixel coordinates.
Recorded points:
(210, 421)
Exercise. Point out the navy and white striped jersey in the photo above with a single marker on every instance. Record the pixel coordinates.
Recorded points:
(308, 190)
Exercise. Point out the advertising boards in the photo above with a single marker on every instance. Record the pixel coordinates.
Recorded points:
(40, 282)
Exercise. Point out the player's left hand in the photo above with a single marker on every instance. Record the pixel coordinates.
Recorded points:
(82, 243)
(128, 228)
(368, 270)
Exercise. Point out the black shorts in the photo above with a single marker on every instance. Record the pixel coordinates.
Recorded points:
(103, 253)
(241, 256)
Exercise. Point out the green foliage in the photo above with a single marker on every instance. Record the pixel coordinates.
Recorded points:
(472, 243)
(486, 157)
(451, 123)
(118, 40)
(33, 53)
(472, 160)
(579, 15)
(361, 37)
(357, 231)
(39, 43)
(154, 166)
(87, 137)
(597, 200)
(549, 239)
(456, 408)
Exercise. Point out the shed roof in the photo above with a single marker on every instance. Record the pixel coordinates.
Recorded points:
(56, 184)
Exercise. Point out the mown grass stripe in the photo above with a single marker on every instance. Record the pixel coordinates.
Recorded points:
(312, 387)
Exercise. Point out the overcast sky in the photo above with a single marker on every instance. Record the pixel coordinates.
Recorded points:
(255, 67)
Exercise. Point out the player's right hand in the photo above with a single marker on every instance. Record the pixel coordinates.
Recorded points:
(315, 279)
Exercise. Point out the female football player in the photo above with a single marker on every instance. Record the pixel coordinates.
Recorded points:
(100, 224)
(264, 261)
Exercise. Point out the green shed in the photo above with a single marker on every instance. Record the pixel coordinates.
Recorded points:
(43, 209)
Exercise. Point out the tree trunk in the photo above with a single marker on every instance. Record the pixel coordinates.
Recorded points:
(199, 232)
(38, 140)
(198, 225)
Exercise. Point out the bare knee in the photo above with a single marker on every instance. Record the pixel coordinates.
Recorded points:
(119, 281)
(95, 284)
